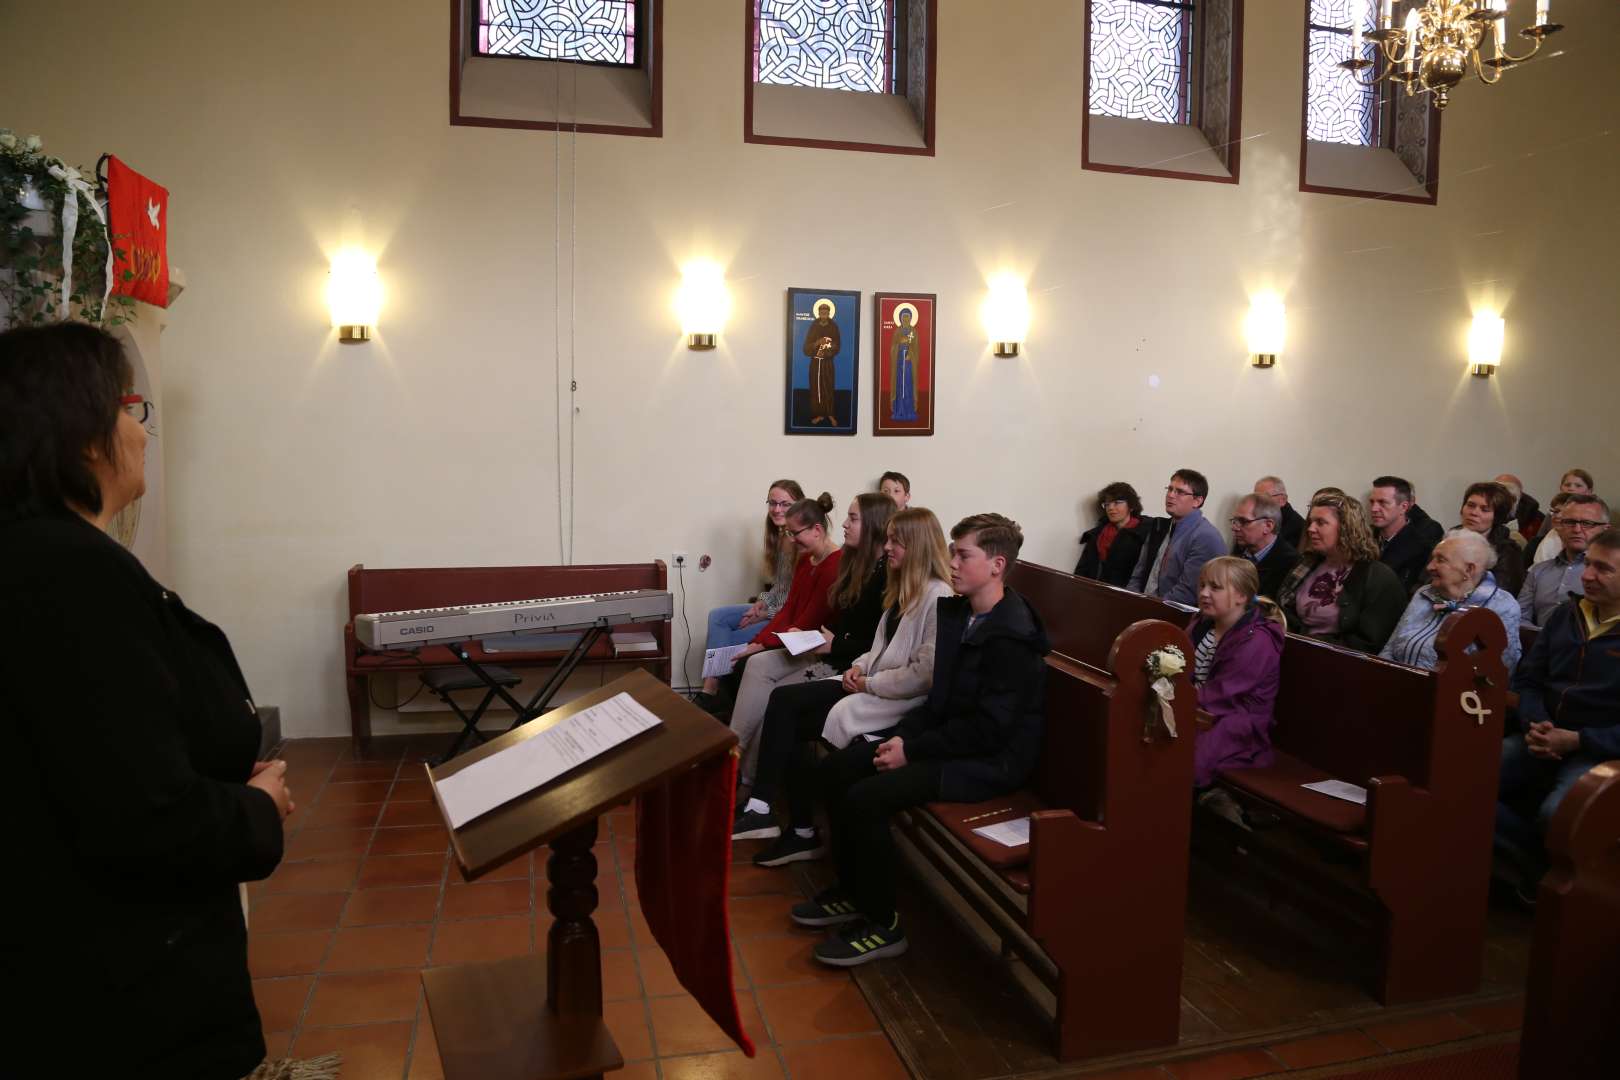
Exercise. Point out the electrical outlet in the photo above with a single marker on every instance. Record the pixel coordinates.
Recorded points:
(680, 558)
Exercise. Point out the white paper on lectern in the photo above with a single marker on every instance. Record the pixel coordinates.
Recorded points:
(717, 662)
(801, 641)
(1014, 833)
(1338, 789)
(519, 769)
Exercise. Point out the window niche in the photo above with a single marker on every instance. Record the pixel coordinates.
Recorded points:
(860, 78)
(1373, 142)
(587, 65)
(1164, 88)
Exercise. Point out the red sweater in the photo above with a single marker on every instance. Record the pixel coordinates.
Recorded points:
(807, 606)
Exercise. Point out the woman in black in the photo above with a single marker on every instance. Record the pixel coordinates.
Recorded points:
(1109, 550)
(131, 785)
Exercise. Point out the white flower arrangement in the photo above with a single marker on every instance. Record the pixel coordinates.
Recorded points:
(1163, 665)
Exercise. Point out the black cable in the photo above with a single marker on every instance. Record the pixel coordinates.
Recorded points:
(398, 705)
(686, 656)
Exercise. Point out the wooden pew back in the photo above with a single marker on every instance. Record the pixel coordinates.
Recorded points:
(1351, 714)
(1083, 618)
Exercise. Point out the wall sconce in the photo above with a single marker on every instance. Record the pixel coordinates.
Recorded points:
(1485, 343)
(702, 304)
(1006, 314)
(1267, 326)
(354, 295)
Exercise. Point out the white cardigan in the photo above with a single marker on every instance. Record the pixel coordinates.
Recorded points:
(899, 673)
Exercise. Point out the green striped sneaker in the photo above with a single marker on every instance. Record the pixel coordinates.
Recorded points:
(829, 908)
(862, 942)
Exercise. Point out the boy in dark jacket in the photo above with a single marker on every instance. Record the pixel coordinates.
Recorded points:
(976, 736)
(1569, 706)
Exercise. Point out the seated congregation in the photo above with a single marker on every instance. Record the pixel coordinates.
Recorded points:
(931, 686)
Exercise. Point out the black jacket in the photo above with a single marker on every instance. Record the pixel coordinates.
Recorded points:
(984, 714)
(1292, 528)
(131, 737)
(858, 626)
(1282, 558)
(1408, 552)
(1122, 554)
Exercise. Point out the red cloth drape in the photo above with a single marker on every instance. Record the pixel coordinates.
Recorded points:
(139, 212)
(683, 862)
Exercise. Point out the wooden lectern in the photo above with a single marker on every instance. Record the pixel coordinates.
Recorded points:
(534, 1018)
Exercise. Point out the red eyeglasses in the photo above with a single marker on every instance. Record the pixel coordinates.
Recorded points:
(136, 406)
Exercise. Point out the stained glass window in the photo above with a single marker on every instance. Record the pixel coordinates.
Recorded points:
(1141, 59)
(828, 44)
(1337, 108)
(593, 31)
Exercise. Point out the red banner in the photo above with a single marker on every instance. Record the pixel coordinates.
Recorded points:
(138, 210)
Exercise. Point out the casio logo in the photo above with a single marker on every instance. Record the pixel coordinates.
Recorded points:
(424, 628)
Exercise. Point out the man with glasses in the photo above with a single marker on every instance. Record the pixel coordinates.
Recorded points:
(1178, 546)
(1406, 535)
(1550, 583)
(1292, 526)
(1254, 537)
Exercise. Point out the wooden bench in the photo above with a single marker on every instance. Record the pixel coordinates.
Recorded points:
(1108, 807)
(416, 587)
(1430, 765)
(1573, 993)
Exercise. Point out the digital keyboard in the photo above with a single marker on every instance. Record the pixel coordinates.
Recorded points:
(463, 622)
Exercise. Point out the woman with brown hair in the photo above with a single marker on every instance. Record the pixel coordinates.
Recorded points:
(1340, 592)
(737, 624)
(856, 599)
(1487, 508)
(134, 799)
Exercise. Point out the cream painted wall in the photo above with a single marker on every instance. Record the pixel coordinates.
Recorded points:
(282, 132)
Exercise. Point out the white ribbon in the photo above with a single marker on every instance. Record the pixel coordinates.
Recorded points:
(77, 185)
(1166, 690)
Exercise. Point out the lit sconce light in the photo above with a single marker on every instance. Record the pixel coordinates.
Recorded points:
(702, 304)
(1267, 326)
(1485, 343)
(1006, 314)
(354, 295)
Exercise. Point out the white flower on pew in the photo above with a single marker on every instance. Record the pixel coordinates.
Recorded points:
(1163, 665)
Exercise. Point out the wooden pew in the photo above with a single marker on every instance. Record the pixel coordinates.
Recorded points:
(1427, 747)
(1573, 994)
(1096, 902)
(1430, 765)
(407, 588)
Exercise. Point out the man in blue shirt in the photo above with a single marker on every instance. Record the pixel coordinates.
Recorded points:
(1180, 545)
(1551, 582)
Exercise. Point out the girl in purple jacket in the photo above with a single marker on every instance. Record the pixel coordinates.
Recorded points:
(1237, 640)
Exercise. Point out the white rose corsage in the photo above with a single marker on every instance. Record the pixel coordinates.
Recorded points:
(1163, 665)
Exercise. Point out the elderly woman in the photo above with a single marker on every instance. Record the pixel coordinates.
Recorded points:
(1459, 577)
(1487, 508)
(1109, 550)
(1340, 592)
(132, 793)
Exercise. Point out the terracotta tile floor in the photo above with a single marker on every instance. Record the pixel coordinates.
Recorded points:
(366, 897)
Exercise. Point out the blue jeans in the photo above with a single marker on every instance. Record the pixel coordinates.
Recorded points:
(723, 628)
(1526, 777)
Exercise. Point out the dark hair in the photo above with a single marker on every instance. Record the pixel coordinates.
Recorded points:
(808, 512)
(856, 566)
(1403, 488)
(1580, 474)
(993, 533)
(1194, 480)
(899, 478)
(1119, 490)
(61, 385)
(775, 539)
(1500, 498)
(1580, 498)
(1608, 539)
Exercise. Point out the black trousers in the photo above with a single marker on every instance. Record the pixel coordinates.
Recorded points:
(794, 717)
(860, 801)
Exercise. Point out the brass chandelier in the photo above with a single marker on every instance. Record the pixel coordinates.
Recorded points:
(1441, 40)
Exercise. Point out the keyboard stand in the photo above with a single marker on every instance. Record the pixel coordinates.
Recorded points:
(542, 697)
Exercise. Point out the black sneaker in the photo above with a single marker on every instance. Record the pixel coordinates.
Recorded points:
(863, 942)
(753, 825)
(791, 847)
(829, 908)
(713, 704)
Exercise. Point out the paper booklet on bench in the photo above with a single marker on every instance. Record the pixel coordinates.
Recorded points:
(1012, 833)
(524, 766)
(797, 642)
(1338, 789)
